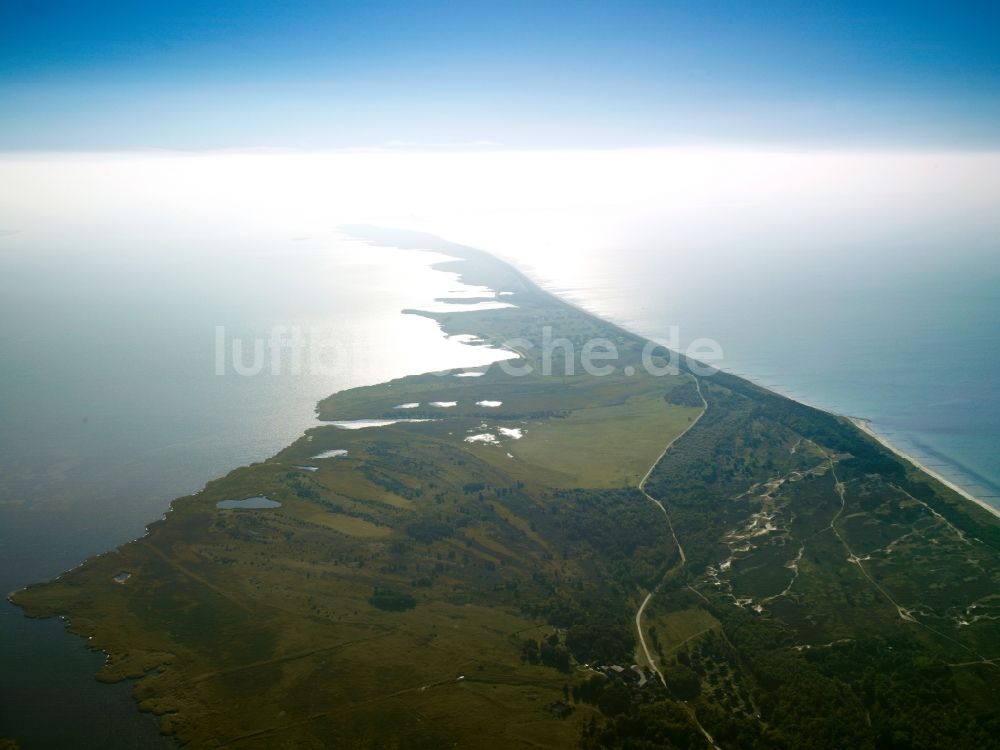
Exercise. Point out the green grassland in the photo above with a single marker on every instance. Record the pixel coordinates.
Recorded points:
(604, 446)
(426, 591)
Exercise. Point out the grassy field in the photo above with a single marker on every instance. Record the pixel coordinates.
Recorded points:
(604, 446)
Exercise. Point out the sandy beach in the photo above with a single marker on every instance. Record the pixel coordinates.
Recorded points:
(865, 427)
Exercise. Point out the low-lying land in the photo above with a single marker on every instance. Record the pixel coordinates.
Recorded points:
(472, 577)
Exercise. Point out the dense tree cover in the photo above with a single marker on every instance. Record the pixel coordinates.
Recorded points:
(874, 693)
(747, 685)
(546, 653)
(685, 394)
(597, 625)
(301, 485)
(619, 539)
(375, 474)
(428, 531)
(909, 703)
(683, 682)
(635, 718)
(600, 636)
(753, 686)
(619, 528)
(822, 427)
(392, 601)
(867, 694)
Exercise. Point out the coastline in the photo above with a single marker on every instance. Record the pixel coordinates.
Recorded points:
(865, 426)
(412, 239)
(538, 295)
(863, 423)
(69, 661)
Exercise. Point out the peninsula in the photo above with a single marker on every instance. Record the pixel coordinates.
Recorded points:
(511, 557)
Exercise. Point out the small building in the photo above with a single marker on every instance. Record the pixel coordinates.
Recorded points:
(631, 674)
(638, 675)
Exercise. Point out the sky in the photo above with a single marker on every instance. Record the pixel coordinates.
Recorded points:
(383, 74)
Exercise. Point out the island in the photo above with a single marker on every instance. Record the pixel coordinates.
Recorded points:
(508, 557)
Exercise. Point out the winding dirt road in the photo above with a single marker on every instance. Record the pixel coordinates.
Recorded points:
(680, 549)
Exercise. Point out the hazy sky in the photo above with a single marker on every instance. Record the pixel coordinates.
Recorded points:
(280, 74)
